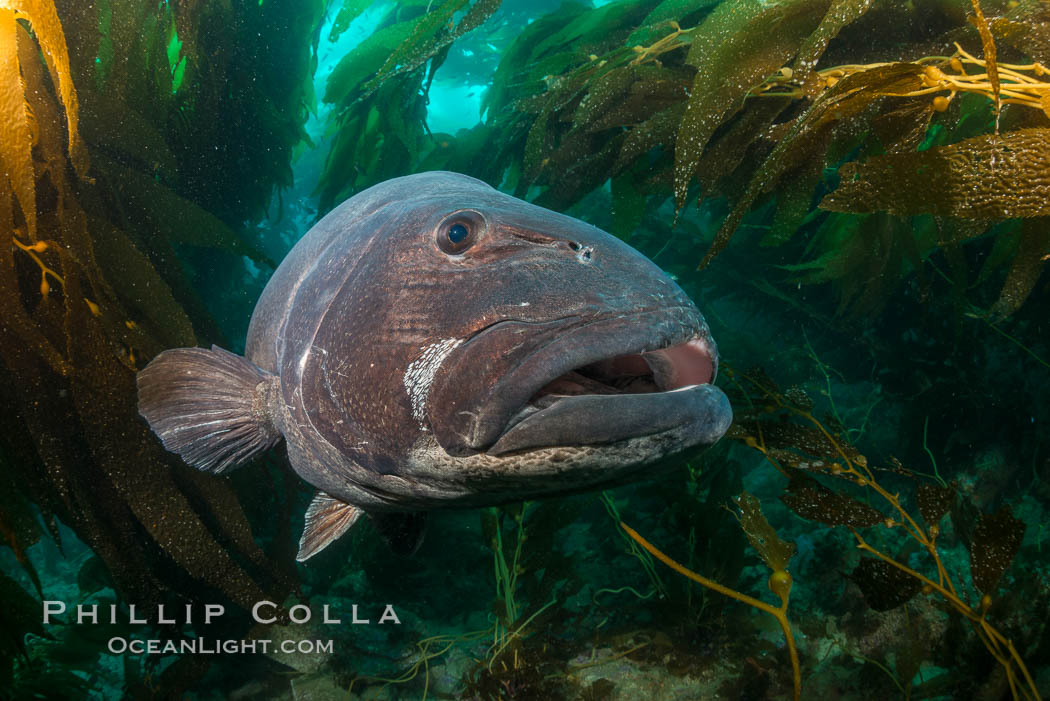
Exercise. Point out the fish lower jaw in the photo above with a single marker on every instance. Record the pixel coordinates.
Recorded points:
(484, 479)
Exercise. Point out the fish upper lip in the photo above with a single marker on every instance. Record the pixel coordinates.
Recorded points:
(671, 326)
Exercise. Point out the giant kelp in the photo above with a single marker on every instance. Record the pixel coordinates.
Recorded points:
(984, 177)
(186, 116)
(844, 133)
(757, 103)
(780, 424)
(115, 154)
(378, 92)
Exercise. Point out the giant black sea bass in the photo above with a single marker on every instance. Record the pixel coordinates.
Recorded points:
(434, 343)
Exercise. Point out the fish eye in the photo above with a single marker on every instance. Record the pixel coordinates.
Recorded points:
(459, 231)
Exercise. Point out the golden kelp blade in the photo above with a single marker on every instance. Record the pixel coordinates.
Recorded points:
(43, 17)
(16, 137)
(991, 176)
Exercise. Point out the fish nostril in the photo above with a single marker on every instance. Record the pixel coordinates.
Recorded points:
(574, 245)
(584, 254)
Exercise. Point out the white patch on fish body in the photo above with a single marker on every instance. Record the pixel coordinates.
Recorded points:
(420, 374)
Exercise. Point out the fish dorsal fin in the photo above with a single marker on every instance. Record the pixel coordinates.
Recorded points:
(327, 518)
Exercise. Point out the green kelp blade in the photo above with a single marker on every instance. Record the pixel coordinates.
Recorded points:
(604, 94)
(522, 63)
(577, 166)
(143, 291)
(421, 43)
(811, 134)
(538, 146)
(432, 33)
(840, 14)
(138, 138)
(663, 14)
(986, 177)
(794, 200)
(728, 149)
(350, 11)
(591, 26)
(863, 255)
(739, 44)
(655, 89)
(776, 553)
(657, 130)
(344, 85)
(178, 219)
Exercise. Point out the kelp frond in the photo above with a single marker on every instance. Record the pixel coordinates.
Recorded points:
(985, 177)
(18, 128)
(782, 427)
(749, 101)
(42, 17)
(90, 288)
(1012, 84)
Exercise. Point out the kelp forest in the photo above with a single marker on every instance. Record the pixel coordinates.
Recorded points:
(855, 192)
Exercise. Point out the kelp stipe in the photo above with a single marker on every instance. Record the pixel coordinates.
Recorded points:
(97, 194)
(775, 553)
(782, 427)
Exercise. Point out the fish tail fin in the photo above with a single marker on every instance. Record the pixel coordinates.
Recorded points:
(211, 407)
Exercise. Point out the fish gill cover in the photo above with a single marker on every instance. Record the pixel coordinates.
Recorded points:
(863, 183)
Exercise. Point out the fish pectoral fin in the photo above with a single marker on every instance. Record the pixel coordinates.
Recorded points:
(403, 532)
(210, 406)
(327, 518)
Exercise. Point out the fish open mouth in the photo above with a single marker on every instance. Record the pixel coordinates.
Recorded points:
(677, 367)
(581, 381)
(622, 397)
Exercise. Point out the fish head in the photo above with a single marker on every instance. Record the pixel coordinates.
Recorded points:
(515, 350)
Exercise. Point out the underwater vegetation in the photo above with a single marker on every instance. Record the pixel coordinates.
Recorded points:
(865, 185)
(110, 166)
(704, 100)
